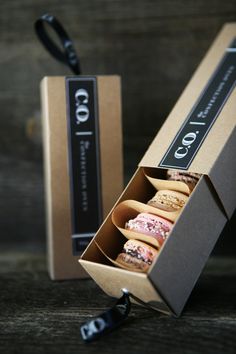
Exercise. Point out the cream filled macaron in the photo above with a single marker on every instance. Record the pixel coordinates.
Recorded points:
(137, 256)
(168, 200)
(190, 178)
(150, 225)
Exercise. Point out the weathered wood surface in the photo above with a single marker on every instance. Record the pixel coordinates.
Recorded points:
(41, 316)
(154, 45)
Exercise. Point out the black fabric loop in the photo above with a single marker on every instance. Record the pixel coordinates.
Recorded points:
(68, 56)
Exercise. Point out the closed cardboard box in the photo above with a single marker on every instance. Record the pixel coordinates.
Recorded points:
(82, 139)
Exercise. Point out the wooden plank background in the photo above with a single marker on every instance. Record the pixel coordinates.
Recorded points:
(154, 45)
(40, 316)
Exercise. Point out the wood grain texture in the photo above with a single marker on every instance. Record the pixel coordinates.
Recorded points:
(155, 47)
(41, 316)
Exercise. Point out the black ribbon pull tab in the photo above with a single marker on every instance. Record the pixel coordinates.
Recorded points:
(107, 321)
(68, 55)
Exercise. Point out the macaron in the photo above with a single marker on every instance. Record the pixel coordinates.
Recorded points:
(168, 200)
(150, 225)
(137, 256)
(190, 178)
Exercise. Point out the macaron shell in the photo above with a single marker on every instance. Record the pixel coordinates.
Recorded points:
(150, 225)
(131, 263)
(189, 178)
(134, 254)
(114, 262)
(168, 200)
(129, 209)
(152, 217)
(146, 251)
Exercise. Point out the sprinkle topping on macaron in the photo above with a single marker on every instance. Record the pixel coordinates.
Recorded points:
(151, 225)
(168, 200)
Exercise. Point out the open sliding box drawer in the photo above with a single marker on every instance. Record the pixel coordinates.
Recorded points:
(199, 136)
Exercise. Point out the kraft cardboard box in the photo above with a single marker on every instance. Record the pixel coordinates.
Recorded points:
(82, 140)
(198, 136)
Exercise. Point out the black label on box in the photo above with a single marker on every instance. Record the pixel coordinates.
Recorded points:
(198, 123)
(84, 159)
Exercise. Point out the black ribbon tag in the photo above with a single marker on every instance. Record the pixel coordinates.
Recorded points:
(68, 55)
(107, 321)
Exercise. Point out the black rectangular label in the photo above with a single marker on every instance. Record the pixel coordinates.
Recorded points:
(84, 160)
(198, 123)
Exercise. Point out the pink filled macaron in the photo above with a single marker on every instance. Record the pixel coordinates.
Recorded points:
(150, 225)
(137, 256)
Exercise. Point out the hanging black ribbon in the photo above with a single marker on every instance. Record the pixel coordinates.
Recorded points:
(107, 321)
(112, 318)
(68, 55)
